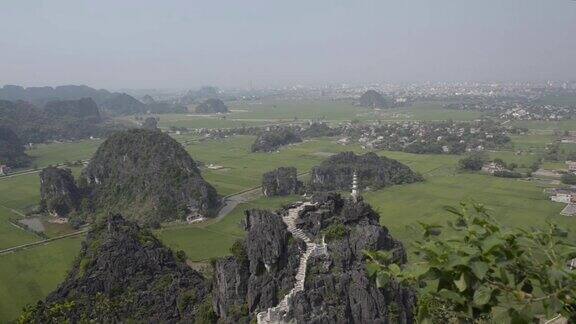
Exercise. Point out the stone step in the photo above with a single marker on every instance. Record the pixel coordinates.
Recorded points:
(276, 314)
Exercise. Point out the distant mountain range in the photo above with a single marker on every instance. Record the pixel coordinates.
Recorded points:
(59, 120)
(110, 103)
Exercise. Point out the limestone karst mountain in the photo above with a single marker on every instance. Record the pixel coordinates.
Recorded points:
(282, 181)
(60, 120)
(123, 274)
(373, 99)
(150, 123)
(147, 99)
(148, 176)
(58, 192)
(273, 138)
(41, 95)
(373, 171)
(305, 264)
(12, 152)
(123, 104)
(212, 106)
(84, 108)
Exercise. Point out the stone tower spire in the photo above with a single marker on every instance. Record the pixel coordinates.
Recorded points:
(354, 186)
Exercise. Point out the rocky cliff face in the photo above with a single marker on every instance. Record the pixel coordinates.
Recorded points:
(123, 274)
(373, 171)
(12, 151)
(281, 182)
(261, 275)
(372, 99)
(212, 106)
(84, 108)
(148, 176)
(272, 139)
(336, 287)
(58, 192)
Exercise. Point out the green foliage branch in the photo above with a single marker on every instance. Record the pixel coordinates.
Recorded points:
(480, 271)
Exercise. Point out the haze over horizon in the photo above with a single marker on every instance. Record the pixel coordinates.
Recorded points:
(184, 44)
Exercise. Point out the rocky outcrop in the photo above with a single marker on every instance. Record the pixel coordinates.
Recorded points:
(260, 279)
(373, 171)
(123, 274)
(330, 283)
(272, 139)
(281, 182)
(12, 151)
(337, 288)
(212, 106)
(373, 99)
(84, 108)
(150, 123)
(230, 288)
(58, 192)
(148, 176)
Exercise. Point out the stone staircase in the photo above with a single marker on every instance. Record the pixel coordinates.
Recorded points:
(277, 314)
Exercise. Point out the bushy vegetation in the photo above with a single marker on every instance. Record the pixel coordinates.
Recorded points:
(473, 161)
(486, 271)
(335, 232)
(271, 140)
(238, 250)
(507, 174)
(569, 178)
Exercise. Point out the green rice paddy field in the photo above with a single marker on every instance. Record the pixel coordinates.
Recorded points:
(28, 275)
(268, 112)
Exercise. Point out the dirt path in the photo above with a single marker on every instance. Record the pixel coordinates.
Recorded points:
(230, 202)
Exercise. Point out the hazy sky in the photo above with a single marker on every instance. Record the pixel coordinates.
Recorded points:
(188, 43)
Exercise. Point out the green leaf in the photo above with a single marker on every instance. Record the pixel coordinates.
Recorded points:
(500, 314)
(453, 210)
(479, 269)
(491, 243)
(372, 268)
(394, 269)
(456, 260)
(461, 283)
(452, 296)
(482, 295)
(382, 279)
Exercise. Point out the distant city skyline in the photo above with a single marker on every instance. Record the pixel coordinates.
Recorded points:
(180, 44)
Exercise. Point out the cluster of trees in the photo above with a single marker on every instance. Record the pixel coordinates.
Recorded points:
(271, 140)
(473, 161)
